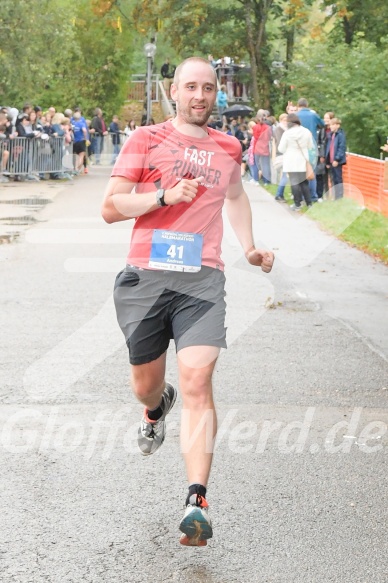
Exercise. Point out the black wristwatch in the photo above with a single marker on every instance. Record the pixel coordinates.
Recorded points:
(160, 197)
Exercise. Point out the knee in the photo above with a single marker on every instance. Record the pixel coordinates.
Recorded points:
(145, 388)
(196, 392)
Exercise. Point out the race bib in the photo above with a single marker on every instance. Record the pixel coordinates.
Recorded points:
(175, 251)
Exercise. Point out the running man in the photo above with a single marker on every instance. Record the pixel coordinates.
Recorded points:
(173, 178)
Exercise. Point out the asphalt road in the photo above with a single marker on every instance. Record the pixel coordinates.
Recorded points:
(298, 492)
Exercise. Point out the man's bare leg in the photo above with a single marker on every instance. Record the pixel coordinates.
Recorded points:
(158, 397)
(147, 381)
(199, 419)
(198, 431)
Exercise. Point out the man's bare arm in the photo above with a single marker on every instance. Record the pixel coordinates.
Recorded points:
(122, 202)
(239, 212)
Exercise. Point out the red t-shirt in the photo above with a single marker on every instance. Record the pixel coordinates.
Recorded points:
(158, 157)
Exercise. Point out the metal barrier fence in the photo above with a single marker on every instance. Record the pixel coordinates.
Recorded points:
(24, 156)
(137, 88)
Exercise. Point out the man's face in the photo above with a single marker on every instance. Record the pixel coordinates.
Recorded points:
(292, 109)
(195, 94)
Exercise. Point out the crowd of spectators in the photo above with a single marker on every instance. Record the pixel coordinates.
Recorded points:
(274, 150)
(81, 140)
(299, 147)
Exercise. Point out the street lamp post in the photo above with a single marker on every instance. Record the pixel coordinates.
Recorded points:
(150, 50)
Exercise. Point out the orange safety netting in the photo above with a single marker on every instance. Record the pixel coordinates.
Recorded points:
(369, 177)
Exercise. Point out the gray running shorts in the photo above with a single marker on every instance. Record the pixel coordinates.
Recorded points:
(155, 306)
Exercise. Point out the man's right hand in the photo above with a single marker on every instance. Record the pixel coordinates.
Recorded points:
(184, 191)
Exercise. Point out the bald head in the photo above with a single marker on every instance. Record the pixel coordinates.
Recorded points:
(192, 60)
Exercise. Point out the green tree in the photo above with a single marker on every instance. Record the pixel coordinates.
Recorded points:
(352, 18)
(65, 53)
(351, 81)
(243, 29)
(99, 70)
(36, 37)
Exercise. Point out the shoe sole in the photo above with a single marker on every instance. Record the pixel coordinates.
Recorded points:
(145, 454)
(196, 530)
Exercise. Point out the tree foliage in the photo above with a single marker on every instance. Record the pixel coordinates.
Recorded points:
(28, 28)
(351, 81)
(353, 18)
(238, 28)
(82, 52)
(64, 53)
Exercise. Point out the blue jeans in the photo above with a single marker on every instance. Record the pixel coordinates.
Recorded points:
(336, 176)
(313, 189)
(282, 185)
(254, 171)
(116, 151)
(263, 164)
(97, 147)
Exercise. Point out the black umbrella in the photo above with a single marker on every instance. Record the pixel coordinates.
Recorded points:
(238, 110)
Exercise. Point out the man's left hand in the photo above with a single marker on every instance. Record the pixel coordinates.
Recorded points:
(261, 258)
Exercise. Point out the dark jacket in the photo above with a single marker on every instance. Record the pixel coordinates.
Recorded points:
(167, 71)
(114, 130)
(322, 141)
(22, 132)
(97, 125)
(339, 147)
(48, 129)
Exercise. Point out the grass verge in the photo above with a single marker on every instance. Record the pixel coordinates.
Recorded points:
(358, 226)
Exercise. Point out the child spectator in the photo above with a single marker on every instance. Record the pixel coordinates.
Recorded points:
(222, 100)
(321, 172)
(262, 134)
(336, 155)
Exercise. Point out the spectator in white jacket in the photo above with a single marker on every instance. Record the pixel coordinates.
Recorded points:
(295, 144)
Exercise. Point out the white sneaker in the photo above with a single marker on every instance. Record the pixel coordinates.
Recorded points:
(151, 434)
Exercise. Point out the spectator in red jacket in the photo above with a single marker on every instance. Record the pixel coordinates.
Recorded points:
(262, 134)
